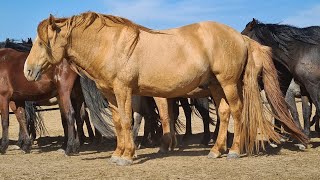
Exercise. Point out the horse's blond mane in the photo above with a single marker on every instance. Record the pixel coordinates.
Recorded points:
(88, 18)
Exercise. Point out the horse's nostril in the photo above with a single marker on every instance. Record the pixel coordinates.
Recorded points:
(29, 72)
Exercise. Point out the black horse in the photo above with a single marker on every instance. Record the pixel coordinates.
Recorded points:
(296, 54)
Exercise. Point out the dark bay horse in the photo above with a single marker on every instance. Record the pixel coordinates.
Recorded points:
(59, 81)
(34, 120)
(296, 54)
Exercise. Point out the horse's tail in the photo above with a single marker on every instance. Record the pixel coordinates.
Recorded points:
(35, 122)
(253, 118)
(100, 116)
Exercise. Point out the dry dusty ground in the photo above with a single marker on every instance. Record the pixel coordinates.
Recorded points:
(186, 162)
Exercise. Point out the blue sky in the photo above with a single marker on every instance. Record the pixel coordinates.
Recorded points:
(19, 18)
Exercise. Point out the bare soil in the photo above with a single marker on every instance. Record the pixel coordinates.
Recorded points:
(188, 161)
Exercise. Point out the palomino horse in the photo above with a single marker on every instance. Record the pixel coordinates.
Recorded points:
(205, 58)
(58, 81)
(295, 52)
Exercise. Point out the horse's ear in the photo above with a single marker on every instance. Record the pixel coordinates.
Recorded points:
(252, 23)
(52, 23)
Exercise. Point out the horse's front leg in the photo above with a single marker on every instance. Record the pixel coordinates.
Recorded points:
(24, 138)
(5, 124)
(165, 107)
(68, 113)
(123, 96)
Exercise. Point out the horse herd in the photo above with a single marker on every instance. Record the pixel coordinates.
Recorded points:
(142, 72)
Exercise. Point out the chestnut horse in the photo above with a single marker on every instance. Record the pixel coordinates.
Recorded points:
(59, 81)
(202, 59)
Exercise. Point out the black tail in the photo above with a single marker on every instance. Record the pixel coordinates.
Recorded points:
(100, 116)
(34, 119)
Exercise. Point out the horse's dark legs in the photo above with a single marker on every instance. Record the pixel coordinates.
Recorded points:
(19, 110)
(68, 113)
(65, 131)
(306, 109)
(316, 118)
(290, 99)
(187, 112)
(79, 121)
(314, 93)
(202, 104)
(84, 116)
(4, 105)
(32, 128)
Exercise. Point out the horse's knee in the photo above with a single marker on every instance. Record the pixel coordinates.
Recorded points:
(224, 111)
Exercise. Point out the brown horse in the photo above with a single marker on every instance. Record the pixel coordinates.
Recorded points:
(58, 81)
(124, 58)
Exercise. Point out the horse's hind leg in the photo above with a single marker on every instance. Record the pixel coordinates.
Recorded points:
(4, 108)
(202, 104)
(316, 119)
(85, 117)
(231, 92)
(306, 110)
(187, 112)
(165, 107)
(223, 109)
(19, 111)
(290, 99)
(79, 121)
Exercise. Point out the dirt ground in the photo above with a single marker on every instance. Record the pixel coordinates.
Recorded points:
(188, 161)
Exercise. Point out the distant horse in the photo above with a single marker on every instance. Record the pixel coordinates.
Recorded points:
(124, 59)
(296, 53)
(59, 81)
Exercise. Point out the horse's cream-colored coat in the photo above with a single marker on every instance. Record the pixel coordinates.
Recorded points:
(125, 59)
(183, 58)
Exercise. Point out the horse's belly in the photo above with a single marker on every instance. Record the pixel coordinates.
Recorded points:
(168, 88)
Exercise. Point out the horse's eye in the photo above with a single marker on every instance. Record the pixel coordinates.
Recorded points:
(40, 43)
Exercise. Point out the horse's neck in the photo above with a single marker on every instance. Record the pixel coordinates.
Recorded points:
(92, 50)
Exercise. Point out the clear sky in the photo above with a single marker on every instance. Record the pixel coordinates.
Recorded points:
(19, 18)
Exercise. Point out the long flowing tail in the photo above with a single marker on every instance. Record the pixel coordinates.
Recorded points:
(34, 119)
(253, 118)
(100, 116)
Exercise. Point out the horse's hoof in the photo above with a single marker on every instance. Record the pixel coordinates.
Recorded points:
(283, 140)
(15, 147)
(186, 137)
(301, 147)
(213, 155)
(114, 159)
(205, 142)
(273, 145)
(3, 149)
(60, 150)
(26, 150)
(233, 155)
(163, 150)
(124, 162)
